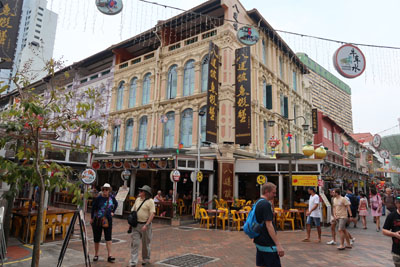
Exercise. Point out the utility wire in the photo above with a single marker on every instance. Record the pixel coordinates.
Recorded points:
(282, 31)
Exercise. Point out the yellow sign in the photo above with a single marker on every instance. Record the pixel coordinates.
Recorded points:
(199, 176)
(304, 180)
(261, 179)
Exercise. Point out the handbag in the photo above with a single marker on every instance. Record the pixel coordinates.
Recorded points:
(104, 220)
(374, 206)
(132, 217)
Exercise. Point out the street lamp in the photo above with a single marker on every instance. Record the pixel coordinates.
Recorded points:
(196, 191)
(305, 126)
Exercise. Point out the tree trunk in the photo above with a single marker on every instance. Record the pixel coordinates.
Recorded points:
(39, 228)
(7, 215)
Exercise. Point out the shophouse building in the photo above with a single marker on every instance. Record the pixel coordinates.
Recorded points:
(329, 94)
(162, 86)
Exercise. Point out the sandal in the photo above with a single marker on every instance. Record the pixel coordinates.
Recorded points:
(341, 248)
(111, 259)
(306, 240)
(348, 247)
(95, 258)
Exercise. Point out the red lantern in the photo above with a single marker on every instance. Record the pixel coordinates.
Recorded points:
(361, 141)
(387, 161)
(370, 162)
(346, 143)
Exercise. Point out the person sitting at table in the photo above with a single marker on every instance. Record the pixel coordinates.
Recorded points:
(103, 206)
(158, 197)
(169, 195)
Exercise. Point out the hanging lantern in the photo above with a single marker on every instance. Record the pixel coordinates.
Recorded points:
(320, 153)
(308, 150)
(369, 161)
(346, 143)
(361, 141)
(387, 161)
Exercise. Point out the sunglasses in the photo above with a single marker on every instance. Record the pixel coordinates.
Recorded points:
(105, 189)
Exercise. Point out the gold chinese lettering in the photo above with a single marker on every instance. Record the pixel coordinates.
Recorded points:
(243, 56)
(242, 115)
(5, 23)
(242, 92)
(242, 102)
(212, 100)
(3, 37)
(241, 66)
(227, 181)
(227, 193)
(212, 89)
(211, 111)
(6, 11)
(213, 74)
(242, 77)
(213, 63)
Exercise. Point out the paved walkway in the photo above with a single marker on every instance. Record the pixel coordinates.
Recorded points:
(228, 248)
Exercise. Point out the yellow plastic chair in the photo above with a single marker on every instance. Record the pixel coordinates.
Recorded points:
(197, 212)
(33, 224)
(222, 217)
(51, 223)
(65, 222)
(279, 218)
(297, 216)
(248, 209)
(242, 202)
(217, 204)
(289, 218)
(223, 204)
(248, 203)
(205, 218)
(236, 219)
(181, 206)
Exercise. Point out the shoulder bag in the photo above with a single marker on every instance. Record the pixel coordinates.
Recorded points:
(132, 217)
(104, 220)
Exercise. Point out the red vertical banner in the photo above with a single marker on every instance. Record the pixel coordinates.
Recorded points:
(212, 94)
(242, 96)
(227, 181)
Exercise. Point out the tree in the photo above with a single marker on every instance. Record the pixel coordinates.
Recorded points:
(27, 127)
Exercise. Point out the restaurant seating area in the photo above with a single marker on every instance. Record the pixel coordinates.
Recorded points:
(24, 222)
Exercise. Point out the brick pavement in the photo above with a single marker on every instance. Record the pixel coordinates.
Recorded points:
(232, 248)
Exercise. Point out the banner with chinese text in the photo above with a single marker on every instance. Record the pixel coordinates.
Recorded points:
(10, 15)
(242, 96)
(212, 94)
(227, 181)
(314, 120)
(304, 180)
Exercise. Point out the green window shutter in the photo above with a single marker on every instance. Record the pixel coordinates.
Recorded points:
(286, 107)
(269, 96)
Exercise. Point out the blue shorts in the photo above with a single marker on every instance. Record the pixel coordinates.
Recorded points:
(317, 220)
(268, 259)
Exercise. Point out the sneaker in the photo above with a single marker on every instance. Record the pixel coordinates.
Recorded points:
(331, 242)
(352, 241)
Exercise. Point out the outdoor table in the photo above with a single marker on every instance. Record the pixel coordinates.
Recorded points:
(216, 212)
(21, 201)
(24, 213)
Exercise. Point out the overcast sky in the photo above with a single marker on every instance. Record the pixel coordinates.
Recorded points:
(83, 31)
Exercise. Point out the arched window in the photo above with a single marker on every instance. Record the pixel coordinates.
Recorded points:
(142, 133)
(264, 51)
(128, 135)
(265, 137)
(204, 74)
(203, 125)
(120, 95)
(115, 138)
(146, 89)
(186, 127)
(172, 82)
(132, 93)
(169, 130)
(188, 78)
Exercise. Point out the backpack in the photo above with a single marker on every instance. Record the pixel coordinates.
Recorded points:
(252, 228)
(354, 201)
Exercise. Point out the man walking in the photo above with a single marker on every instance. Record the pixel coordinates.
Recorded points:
(353, 206)
(340, 209)
(392, 228)
(313, 214)
(333, 220)
(268, 247)
(388, 200)
(144, 205)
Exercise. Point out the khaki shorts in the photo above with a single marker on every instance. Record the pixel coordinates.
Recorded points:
(396, 259)
(342, 223)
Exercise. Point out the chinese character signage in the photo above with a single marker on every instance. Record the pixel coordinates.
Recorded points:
(227, 181)
(243, 96)
(10, 15)
(349, 61)
(212, 94)
(314, 120)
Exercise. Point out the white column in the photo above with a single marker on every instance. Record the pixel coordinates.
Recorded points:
(210, 190)
(236, 186)
(132, 185)
(280, 191)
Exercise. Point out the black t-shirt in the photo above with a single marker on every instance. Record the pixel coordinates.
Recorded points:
(264, 213)
(392, 223)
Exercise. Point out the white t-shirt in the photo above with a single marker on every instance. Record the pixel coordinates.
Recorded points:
(311, 203)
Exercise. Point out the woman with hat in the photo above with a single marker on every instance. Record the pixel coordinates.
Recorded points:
(103, 209)
(144, 205)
